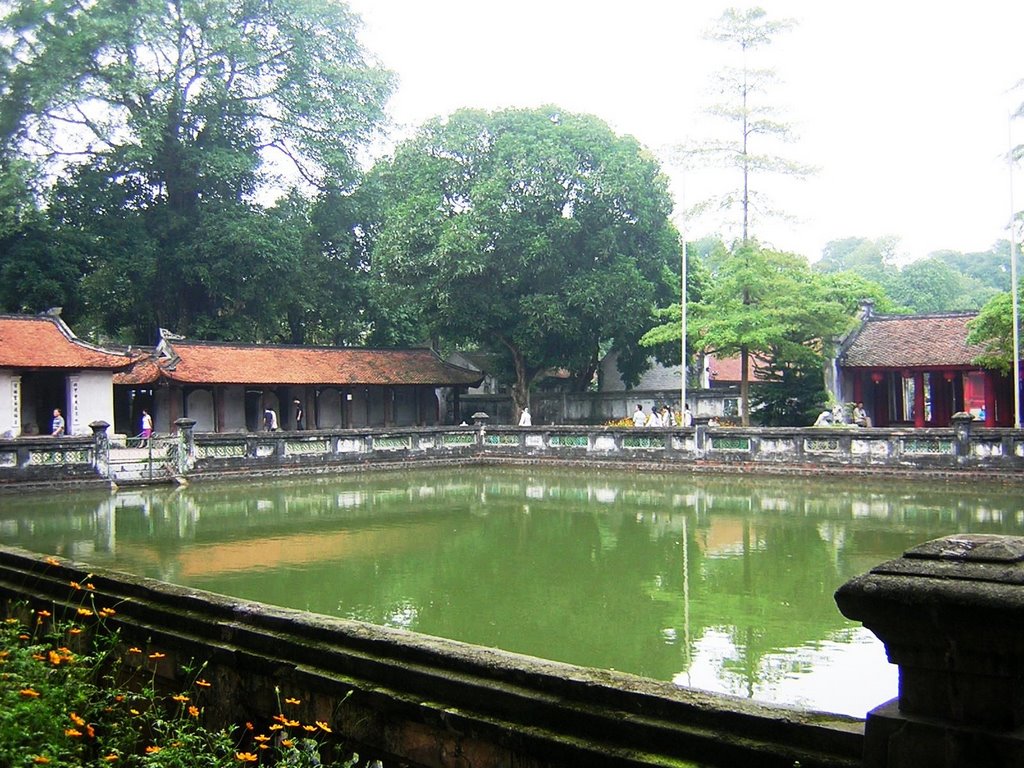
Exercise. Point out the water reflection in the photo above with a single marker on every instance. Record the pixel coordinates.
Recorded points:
(721, 584)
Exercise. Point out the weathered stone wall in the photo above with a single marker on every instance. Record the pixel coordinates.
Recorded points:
(414, 700)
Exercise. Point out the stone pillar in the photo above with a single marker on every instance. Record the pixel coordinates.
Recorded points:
(962, 423)
(100, 448)
(951, 615)
(186, 444)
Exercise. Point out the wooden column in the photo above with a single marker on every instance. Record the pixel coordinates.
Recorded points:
(918, 399)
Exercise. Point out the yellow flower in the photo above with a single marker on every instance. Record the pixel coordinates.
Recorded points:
(180, 698)
(84, 612)
(194, 711)
(134, 711)
(40, 759)
(264, 746)
(323, 726)
(152, 749)
(90, 585)
(287, 743)
(29, 693)
(111, 758)
(202, 683)
(75, 630)
(157, 655)
(309, 728)
(75, 585)
(261, 738)
(76, 719)
(292, 701)
(56, 658)
(107, 612)
(133, 649)
(74, 733)
(246, 757)
(44, 614)
(39, 656)
(276, 727)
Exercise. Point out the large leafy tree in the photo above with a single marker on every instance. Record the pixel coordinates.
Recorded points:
(166, 122)
(538, 233)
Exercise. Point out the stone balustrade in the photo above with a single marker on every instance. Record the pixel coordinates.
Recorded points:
(958, 451)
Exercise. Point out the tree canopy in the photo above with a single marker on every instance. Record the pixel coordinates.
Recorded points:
(538, 233)
(157, 129)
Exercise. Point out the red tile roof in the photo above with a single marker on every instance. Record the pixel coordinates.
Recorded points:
(44, 341)
(911, 341)
(727, 370)
(226, 363)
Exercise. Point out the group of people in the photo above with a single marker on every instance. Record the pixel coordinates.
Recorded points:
(270, 417)
(663, 417)
(837, 415)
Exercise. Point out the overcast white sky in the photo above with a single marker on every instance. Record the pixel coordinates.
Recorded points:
(903, 107)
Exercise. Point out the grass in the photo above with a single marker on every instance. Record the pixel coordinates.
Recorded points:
(73, 694)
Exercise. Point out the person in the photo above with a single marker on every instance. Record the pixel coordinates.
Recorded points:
(860, 416)
(147, 425)
(667, 420)
(299, 421)
(57, 425)
(687, 416)
(654, 420)
(824, 419)
(269, 420)
(639, 419)
(525, 420)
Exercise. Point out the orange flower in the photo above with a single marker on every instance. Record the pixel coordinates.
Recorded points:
(248, 726)
(84, 612)
(309, 728)
(75, 585)
(111, 758)
(76, 719)
(323, 726)
(287, 743)
(75, 631)
(74, 733)
(261, 738)
(246, 757)
(180, 698)
(29, 693)
(107, 612)
(157, 655)
(90, 585)
(202, 683)
(90, 731)
(51, 561)
(194, 711)
(292, 701)
(39, 656)
(152, 749)
(40, 759)
(44, 614)
(133, 649)
(56, 658)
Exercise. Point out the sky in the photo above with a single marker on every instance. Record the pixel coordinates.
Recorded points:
(903, 108)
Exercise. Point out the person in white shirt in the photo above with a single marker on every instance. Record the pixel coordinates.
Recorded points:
(639, 418)
(525, 420)
(654, 420)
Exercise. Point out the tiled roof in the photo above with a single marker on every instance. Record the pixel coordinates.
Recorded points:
(223, 363)
(911, 341)
(727, 370)
(44, 341)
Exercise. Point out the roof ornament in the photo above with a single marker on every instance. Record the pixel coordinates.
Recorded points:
(170, 335)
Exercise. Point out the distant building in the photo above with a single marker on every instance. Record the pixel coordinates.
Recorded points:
(918, 370)
(44, 366)
(227, 387)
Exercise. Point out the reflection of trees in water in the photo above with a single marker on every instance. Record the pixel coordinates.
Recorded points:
(601, 568)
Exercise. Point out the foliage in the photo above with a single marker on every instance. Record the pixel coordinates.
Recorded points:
(769, 305)
(993, 330)
(754, 122)
(160, 126)
(74, 695)
(539, 233)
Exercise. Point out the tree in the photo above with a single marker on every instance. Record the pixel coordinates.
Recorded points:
(164, 122)
(769, 305)
(537, 232)
(753, 120)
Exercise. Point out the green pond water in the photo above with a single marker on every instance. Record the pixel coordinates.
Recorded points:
(723, 584)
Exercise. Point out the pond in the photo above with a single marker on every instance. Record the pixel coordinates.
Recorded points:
(718, 583)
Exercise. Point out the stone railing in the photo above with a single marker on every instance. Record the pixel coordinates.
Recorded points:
(960, 450)
(417, 701)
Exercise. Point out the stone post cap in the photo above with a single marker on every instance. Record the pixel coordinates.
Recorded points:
(951, 614)
(185, 423)
(98, 426)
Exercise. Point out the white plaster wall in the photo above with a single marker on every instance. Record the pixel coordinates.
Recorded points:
(234, 409)
(90, 398)
(9, 417)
